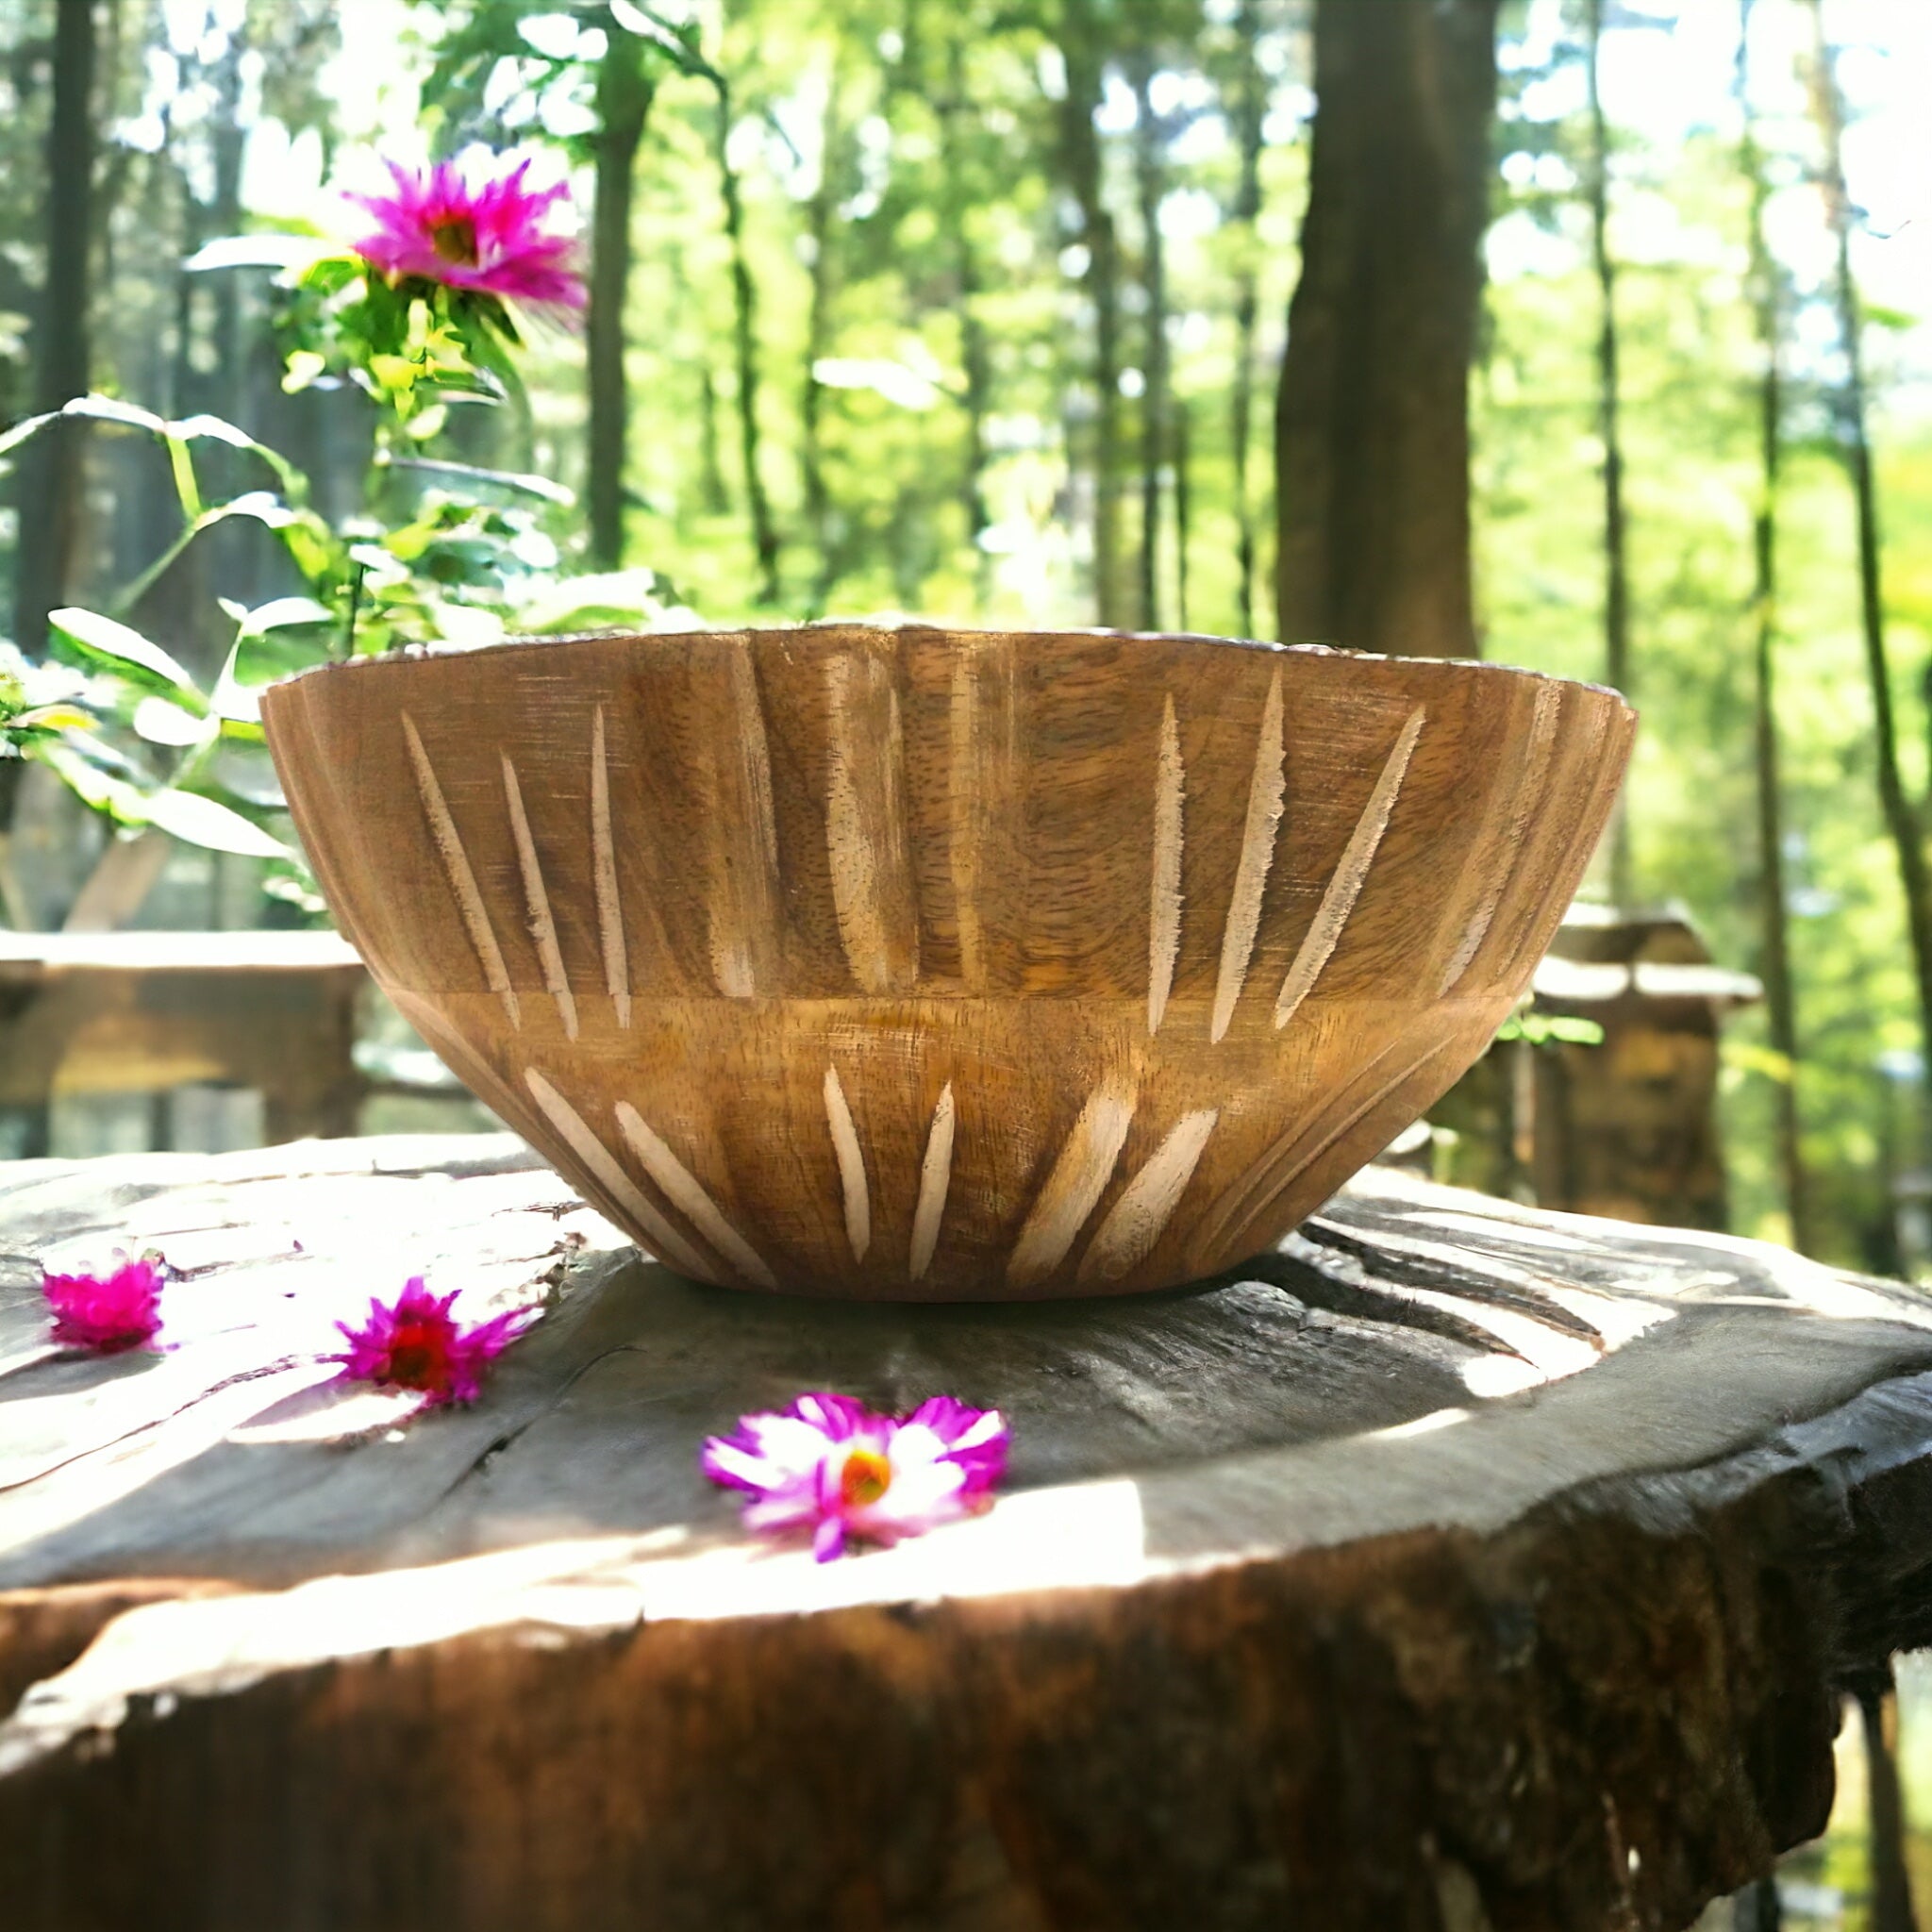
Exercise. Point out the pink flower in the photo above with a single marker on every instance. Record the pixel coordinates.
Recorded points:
(417, 1344)
(490, 235)
(108, 1313)
(831, 1465)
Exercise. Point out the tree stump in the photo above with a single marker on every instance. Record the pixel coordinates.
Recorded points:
(1453, 1565)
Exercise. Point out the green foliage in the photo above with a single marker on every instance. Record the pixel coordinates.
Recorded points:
(142, 742)
(1551, 1029)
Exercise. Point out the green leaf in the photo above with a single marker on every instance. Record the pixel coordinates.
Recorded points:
(26, 427)
(203, 822)
(122, 648)
(594, 602)
(54, 718)
(314, 549)
(283, 252)
(303, 367)
(98, 409)
(283, 614)
(93, 786)
(1545, 1030)
(524, 484)
(161, 720)
(264, 506)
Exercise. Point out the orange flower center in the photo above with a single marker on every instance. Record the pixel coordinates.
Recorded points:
(454, 241)
(418, 1357)
(866, 1476)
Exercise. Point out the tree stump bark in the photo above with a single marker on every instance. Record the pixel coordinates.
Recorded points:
(1454, 1565)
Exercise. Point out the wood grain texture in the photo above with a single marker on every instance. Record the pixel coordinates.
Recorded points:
(1014, 868)
(733, 765)
(866, 827)
(515, 1668)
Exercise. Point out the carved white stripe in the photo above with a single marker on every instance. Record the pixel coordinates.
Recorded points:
(665, 1241)
(542, 927)
(935, 1177)
(1293, 1153)
(1164, 910)
(604, 861)
(851, 1166)
(1346, 887)
(1077, 1179)
(1146, 1205)
(1536, 910)
(462, 881)
(686, 1193)
(1257, 854)
(1499, 866)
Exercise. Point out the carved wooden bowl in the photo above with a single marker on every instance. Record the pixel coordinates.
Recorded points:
(939, 965)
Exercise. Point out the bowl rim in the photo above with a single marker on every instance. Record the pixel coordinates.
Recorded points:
(759, 633)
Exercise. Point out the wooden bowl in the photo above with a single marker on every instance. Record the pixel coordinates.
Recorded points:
(939, 965)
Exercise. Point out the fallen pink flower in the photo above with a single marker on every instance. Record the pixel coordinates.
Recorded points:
(415, 1343)
(832, 1466)
(106, 1313)
(490, 235)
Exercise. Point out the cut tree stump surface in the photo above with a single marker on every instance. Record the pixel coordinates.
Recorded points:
(1454, 1565)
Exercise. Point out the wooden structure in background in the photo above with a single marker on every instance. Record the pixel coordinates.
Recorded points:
(1627, 1127)
(146, 1011)
(922, 964)
(1454, 1565)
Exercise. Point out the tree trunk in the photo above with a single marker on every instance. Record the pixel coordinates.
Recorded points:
(974, 351)
(49, 488)
(1371, 423)
(1082, 49)
(1902, 818)
(1775, 960)
(1150, 178)
(1249, 111)
(623, 106)
(1616, 579)
(818, 336)
(1891, 1888)
(715, 497)
(51, 468)
(764, 532)
(1183, 510)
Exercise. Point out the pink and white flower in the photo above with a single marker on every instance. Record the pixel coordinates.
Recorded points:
(494, 236)
(108, 1313)
(831, 1465)
(415, 1343)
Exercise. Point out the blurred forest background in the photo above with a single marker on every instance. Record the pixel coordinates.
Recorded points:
(978, 308)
